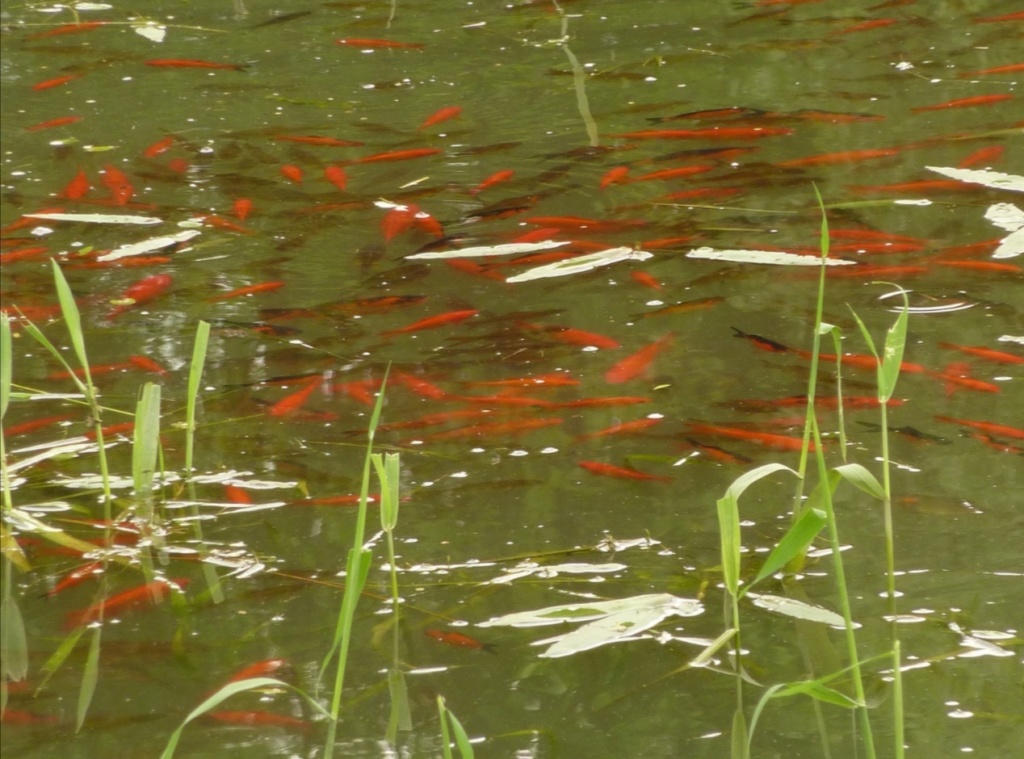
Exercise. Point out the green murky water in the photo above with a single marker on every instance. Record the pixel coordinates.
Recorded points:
(549, 97)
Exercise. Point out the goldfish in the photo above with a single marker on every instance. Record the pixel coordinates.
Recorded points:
(433, 322)
(985, 156)
(495, 178)
(992, 428)
(713, 133)
(845, 156)
(292, 173)
(645, 279)
(296, 400)
(153, 592)
(766, 439)
(55, 82)
(81, 26)
(35, 424)
(92, 569)
(260, 287)
(635, 364)
(610, 470)
(490, 429)
(265, 668)
(444, 114)
(235, 494)
(717, 453)
(686, 306)
(258, 718)
(575, 336)
(970, 102)
(159, 147)
(143, 291)
(398, 155)
(676, 173)
(993, 266)
(623, 428)
(241, 208)
(369, 43)
(1009, 68)
(336, 176)
(983, 352)
(616, 175)
(457, 639)
(191, 63)
(321, 141)
(53, 123)
(117, 182)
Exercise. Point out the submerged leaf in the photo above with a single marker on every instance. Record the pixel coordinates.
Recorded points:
(797, 609)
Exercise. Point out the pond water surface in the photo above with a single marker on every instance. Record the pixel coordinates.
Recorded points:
(742, 109)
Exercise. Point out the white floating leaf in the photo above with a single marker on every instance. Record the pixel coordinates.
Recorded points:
(797, 609)
(151, 31)
(625, 625)
(491, 250)
(146, 246)
(773, 257)
(96, 218)
(1009, 217)
(582, 263)
(586, 612)
(995, 179)
(532, 568)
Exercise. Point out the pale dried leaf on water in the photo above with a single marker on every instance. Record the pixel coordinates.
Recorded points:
(147, 246)
(1009, 217)
(771, 257)
(582, 263)
(96, 218)
(797, 609)
(997, 180)
(492, 250)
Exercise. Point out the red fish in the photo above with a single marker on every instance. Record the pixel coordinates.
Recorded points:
(53, 123)
(55, 82)
(146, 364)
(957, 375)
(717, 453)
(77, 187)
(865, 26)
(369, 43)
(964, 102)
(845, 156)
(457, 639)
(552, 379)
(398, 155)
(292, 173)
(241, 208)
(261, 287)
(496, 178)
(925, 185)
(993, 266)
(616, 175)
(265, 668)
(92, 569)
(986, 156)
(296, 400)
(610, 470)
(115, 180)
(153, 592)
(623, 428)
(990, 427)
(863, 361)
(645, 279)
(121, 428)
(82, 26)
(159, 147)
(432, 322)
(321, 141)
(444, 114)
(580, 224)
(420, 386)
(1009, 68)
(706, 193)
(143, 291)
(258, 718)
(235, 494)
(491, 429)
(602, 402)
(35, 424)
(983, 352)
(687, 306)
(634, 365)
(575, 336)
(20, 717)
(766, 439)
(336, 176)
(676, 173)
(191, 63)
(713, 133)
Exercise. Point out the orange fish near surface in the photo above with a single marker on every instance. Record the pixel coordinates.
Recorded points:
(766, 439)
(77, 187)
(143, 291)
(53, 123)
(336, 176)
(845, 156)
(296, 400)
(55, 82)
(152, 591)
(191, 63)
(620, 472)
(444, 114)
(495, 178)
(990, 427)
(367, 43)
(638, 363)
(457, 639)
(713, 133)
(117, 182)
(398, 155)
(982, 352)
(433, 322)
(970, 102)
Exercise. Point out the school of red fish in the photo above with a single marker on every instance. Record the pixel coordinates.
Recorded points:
(472, 366)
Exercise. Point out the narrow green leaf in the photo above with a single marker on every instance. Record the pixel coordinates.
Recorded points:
(729, 529)
(388, 473)
(895, 344)
(865, 334)
(13, 642)
(11, 551)
(36, 334)
(446, 742)
(857, 475)
(146, 440)
(744, 481)
(6, 363)
(90, 676)
(400, 717)
(738, 743)
(195, 376)
(58, 657)
(461, 739)
(794, 543)
(705, 656)
(72, 318)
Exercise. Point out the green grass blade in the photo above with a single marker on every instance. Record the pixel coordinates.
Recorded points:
(195, 376)
(739, 741)
(729, 532)
(6, 363)
(388, 473)
(861, 478)
(744, 481)
(13, 642)
(895, 344)
(461, 738)
(72, 317)
(446, 741)
(90, 676)
(216, 698)
(58, 657)
(146, 441)
(36, 334)
(400, 717)
(794, 543)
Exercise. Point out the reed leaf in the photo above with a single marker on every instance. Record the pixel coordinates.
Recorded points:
(90, 676)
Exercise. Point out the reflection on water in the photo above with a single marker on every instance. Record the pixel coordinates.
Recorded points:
(288, 178)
